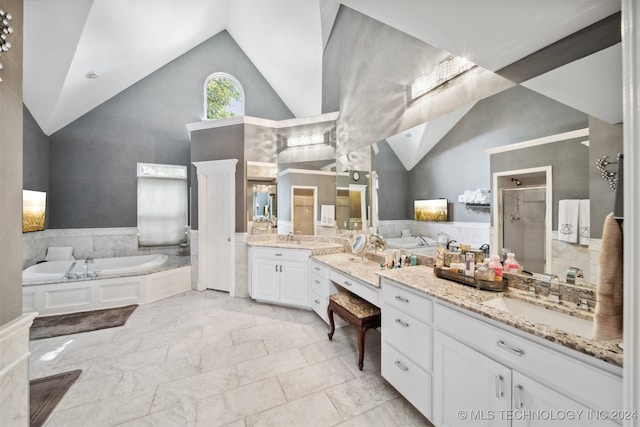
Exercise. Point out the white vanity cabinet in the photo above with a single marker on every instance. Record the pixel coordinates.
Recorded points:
(489, 375)
(406, 354)
(280, 275)
(320, 288)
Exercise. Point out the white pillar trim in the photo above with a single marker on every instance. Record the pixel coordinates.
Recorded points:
(631, 132)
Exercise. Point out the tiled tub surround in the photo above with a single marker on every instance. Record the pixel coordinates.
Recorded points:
(90, 242)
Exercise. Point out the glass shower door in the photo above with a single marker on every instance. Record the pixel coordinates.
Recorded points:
(523, 225)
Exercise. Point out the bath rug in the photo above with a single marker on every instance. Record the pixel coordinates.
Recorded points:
(75, 323)
(45, 393)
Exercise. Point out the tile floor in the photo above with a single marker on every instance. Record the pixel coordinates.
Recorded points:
(205, 359)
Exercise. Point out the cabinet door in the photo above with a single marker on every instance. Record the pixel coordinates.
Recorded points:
(469, 387)
(264, 279)
(294, 284)
(535, 404)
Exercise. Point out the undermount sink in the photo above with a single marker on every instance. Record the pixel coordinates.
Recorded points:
(538, 314)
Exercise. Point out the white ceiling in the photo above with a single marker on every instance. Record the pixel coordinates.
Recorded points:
(126, 40)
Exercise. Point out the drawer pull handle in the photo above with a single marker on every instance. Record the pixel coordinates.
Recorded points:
(519, 390)
(317, 281)
(399, 298)
(317, 301)
(278, 254)
(510, 349)
(280, 269)
(499, 381)
(276, 268)
(401, 365)
(402, 323)
(317, 268)
(347, 283)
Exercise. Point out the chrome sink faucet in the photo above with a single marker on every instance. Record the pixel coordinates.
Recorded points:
(86, 266)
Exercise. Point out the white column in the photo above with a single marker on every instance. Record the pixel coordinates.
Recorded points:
(14, 371)
(631, 107)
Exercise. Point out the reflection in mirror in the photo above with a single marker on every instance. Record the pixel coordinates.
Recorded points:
(261, 190)
(352, 190)
(306, 156)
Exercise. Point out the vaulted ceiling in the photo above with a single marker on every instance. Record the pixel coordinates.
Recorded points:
(124, 41)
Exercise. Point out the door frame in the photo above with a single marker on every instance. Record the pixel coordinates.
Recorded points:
(315, 204)
(497, 237)
(207, 172)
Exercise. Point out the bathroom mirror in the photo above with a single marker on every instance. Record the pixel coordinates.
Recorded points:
(306, 154)
(261, 192)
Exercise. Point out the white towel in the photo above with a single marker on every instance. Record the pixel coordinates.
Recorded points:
(568, 220)
(56, 253)
(584, 222)
(327, 215)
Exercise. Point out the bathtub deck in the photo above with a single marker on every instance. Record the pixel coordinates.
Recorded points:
(81, 295)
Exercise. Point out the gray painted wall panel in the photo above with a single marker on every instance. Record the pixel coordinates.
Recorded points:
(393, 183)
(11, 171)
(93, 160)
(219, 144)
(604, 139)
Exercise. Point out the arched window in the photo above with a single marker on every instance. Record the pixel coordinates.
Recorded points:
(223, 97)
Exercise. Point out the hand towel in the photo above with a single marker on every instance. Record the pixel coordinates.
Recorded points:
(57, 253)
(327, 215)
(607, 320)
(584, 219)
(568, 220)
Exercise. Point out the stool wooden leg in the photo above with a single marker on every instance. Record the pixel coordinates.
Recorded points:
(332, 325)
(361, 333)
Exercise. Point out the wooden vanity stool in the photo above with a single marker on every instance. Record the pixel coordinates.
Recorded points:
(355, 311)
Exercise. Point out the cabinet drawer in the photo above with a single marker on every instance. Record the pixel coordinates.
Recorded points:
(410, 336)
(417, 306)
(411, 381)
(351, 284)
(279, 254)
(319, 305)
(571, 376)
(318, 268)
(319, 285)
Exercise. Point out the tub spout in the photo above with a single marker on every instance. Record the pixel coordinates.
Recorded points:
(68, 274)
(86, 266)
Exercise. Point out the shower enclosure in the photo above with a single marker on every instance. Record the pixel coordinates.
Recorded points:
(522, 216)
(523, 227)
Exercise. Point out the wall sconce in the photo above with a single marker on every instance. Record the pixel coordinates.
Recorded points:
(5, 31)
(610, 177)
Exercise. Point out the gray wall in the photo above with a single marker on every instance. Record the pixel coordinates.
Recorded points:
(458, 162)
(11, 170)
(393, 185)
(36, 155)
(93, 160)
(569, 161)
(604, 139)
(219, 144)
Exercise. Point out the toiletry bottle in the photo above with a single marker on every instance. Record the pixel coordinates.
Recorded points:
(511, 265)
(470, 264)
(496, 265)
(414, 260)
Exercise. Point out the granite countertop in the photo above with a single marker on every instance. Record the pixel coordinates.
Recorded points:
(423, 279)
(357, 266)
(316, 247)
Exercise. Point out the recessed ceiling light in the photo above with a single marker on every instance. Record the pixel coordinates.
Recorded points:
(93, 74)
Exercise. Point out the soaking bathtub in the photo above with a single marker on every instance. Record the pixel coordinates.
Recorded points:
(55, 270)
(413, 244)
(112, 282)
